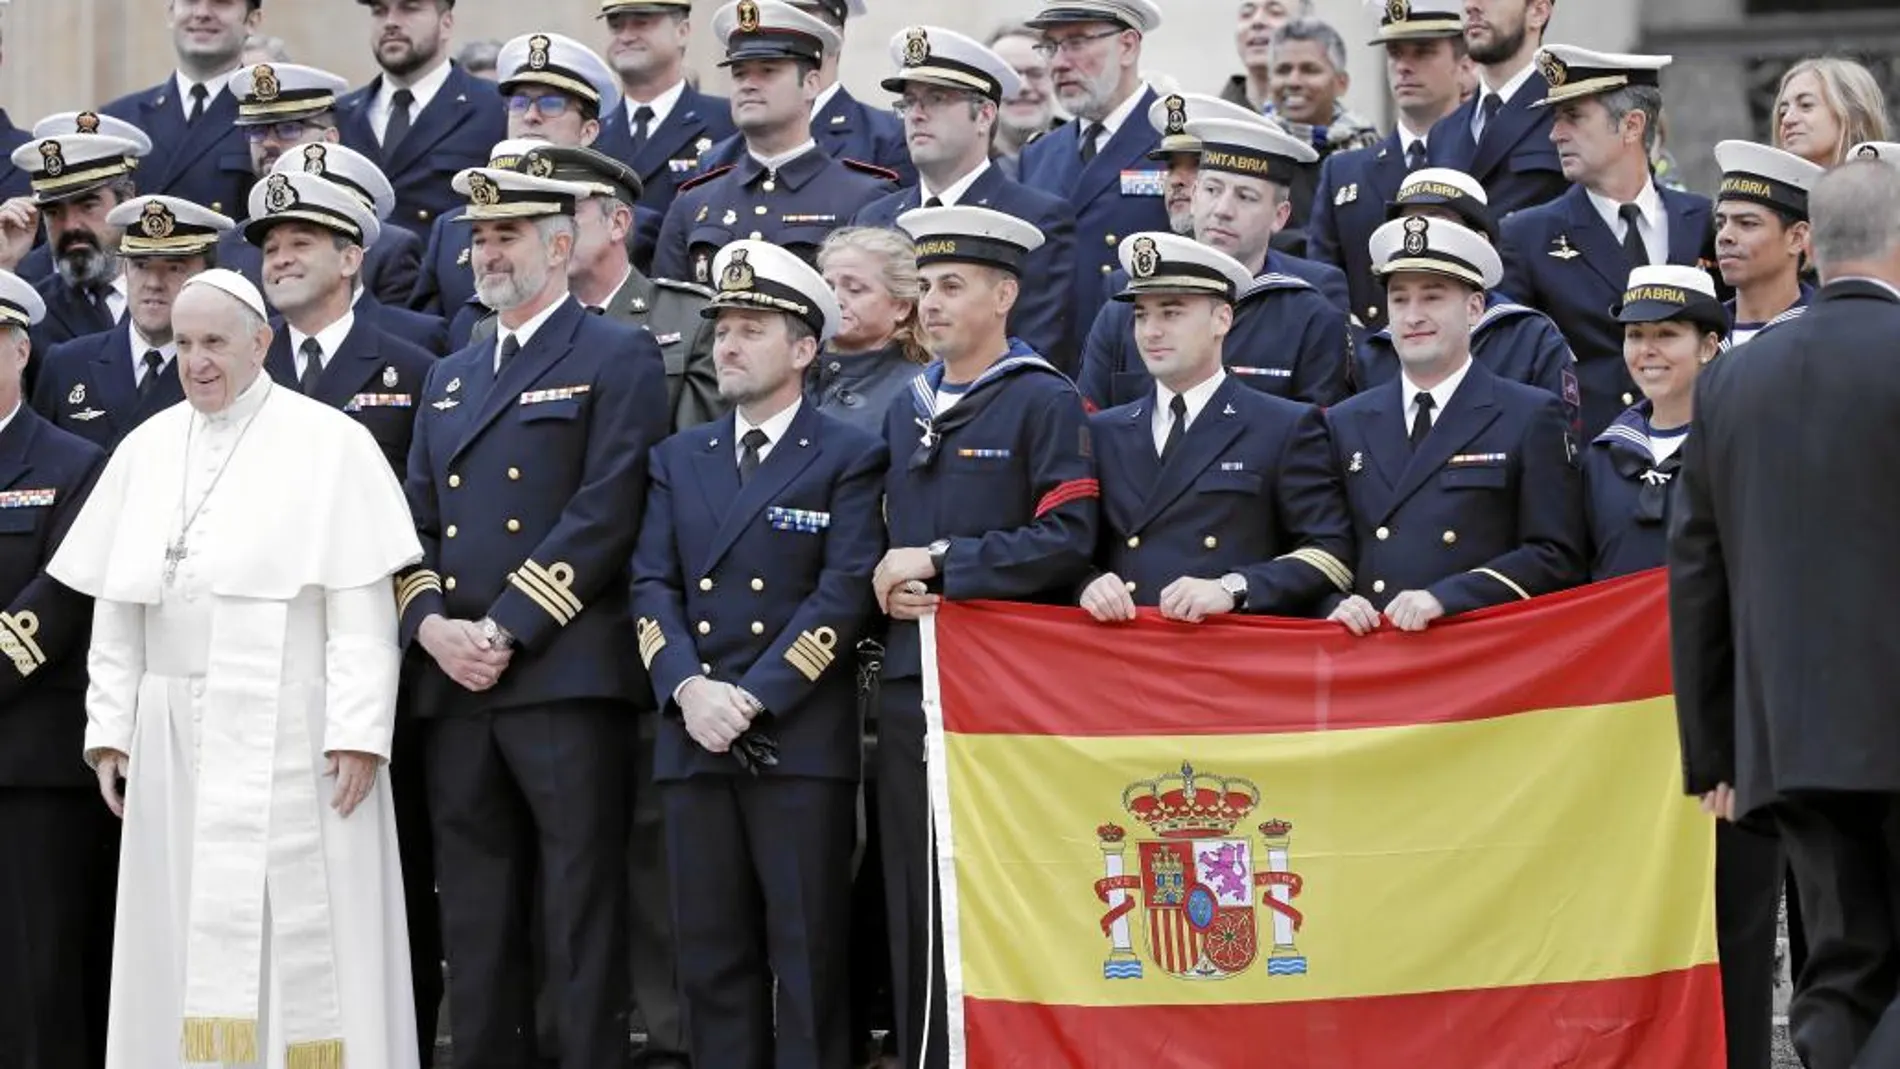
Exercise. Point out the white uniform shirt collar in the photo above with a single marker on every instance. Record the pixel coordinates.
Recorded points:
(141, 345)
(8, 422)
(662, 106)
(953, 195)
(1509, 89)
(1407, 139)
(213, 86)
(330, 338)
(1655, 219)
(119, 297)
(825, 96)
(1441, 393)
(424, 91)
(1197, 398)
(773, 163)
(774, 428)
(524, 333)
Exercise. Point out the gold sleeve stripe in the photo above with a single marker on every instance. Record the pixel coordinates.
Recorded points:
(652, 641)
(16, 641)
(557, 580)
(527, 585)
(812, 652)
(1326, 564)
(1500, 577)
(413, 586)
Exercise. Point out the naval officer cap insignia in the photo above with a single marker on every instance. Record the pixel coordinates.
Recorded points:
(970, 235)
(760, 276)
(1429, 190)
(1573, 73)
(1887, 151)
(1170, 115)
(1435, 247)
(1766, 176)
(1253, 148)
(166, 226)
(508, 194)
(92, 122)
(277, 92)
(348, 168)
(560, 63)
(66, 166)
(20, 304)
(1142, 16)
(929, 55)
(1666, 292)
(297, 197)
(602, 174)
(770, 29)
(1159, 262)
(1418, 20)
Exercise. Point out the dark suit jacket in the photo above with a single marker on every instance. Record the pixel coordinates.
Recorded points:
(1516, 163)
(1348, 205)
(13, 181)
(1784, 515)
(389, 266)
(457, 130)
(1561, 259)
(374, 376)
(672, 154)
(68, 315)
(1251, 488)
(1041, 315)
(208, 163)
(527, 490)
(1515, 342)
(417, 328)
(765, 585)
(88, 387)
(45, 475)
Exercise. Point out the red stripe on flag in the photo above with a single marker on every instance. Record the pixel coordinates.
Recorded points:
(1671, 1020)
(1602, 644)
(1073, 490)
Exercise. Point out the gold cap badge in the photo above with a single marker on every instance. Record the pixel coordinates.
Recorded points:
(264, 85)
(157, 221)
(538, 52)
(748, 17)
(916, 46)
(1415, 241)
(279, 195)
(52, 161)
(1554, 70)
(87, 122)
(1146, 259)
(738, 274)
(483, 191)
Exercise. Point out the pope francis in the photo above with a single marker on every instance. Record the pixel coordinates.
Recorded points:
(244, 664)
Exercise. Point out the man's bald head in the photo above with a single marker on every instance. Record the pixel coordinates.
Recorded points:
(1855, 213)
(222, 342)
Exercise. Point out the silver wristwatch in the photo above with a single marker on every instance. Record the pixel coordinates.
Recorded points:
(1235, 584)
(496, 635)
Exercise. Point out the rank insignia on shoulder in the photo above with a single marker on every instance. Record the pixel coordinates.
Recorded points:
(87, 416)
(652, 640)
(1563, 251)
(812, 652)
(27, 499)
(379, 400)
(558, 393)
(1464, 459)
(461, 258)
(1346, 195)
(1357, 464)
(804, 521)
(389, 376)
(78, 396)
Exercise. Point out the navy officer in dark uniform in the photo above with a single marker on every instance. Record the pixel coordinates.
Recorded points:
(991, 494)
(527, 479)
(664, 124)
(750, 585)
(1215, 498)
(1515, 341)
(784, 189)
(38, 263)
(1571, 257)
(101, 386)
(1761, 234)
(77, 180)
(1463, 485)
(53, 985)
(1500, 136)
(1288, 338)
(950, 89)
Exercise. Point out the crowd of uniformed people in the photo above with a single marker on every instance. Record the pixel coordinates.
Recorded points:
(701, 404)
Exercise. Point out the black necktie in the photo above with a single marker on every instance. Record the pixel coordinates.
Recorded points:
(154, 362)
(1091, 140)
(509, 347)
(753, 441)
(198, 95)
(934, 202)
(312, 366)
(1422, 423)
(1176, 428)
(642, 126)
(399, 104)
(1488, 108)
(97, 298)
(1415, 156)
(1633, 246)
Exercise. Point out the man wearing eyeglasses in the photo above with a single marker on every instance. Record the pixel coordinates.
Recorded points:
(423, 117)
(1099, 163)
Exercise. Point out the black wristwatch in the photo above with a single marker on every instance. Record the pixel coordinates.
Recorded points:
(1235, 584)
(938, 551)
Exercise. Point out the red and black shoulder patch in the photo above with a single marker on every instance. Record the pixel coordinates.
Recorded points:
(699, 180)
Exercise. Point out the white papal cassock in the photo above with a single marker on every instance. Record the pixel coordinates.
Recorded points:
(255, 924)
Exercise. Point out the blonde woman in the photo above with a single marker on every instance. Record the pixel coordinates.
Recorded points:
(1825, 106)
(880, 346)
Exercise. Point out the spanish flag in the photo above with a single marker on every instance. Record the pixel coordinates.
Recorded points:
(1267, 843)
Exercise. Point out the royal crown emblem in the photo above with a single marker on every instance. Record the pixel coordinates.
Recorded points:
(916, 46)
(1554, 70)
(279, 194)
(482, 191)
(86, 122)
(264, 84)
(538, 52)
(738, 274)
(1398, 11)
(1415, 241)
(1145, 260)
(157, 221)
(540, 165)
(748, 17)
(1197, 878)
(314, 161)
(52, 159)
(1177, 114)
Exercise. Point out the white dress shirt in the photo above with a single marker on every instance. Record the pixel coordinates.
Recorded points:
(1197, 397)
(5, 423)
(118, 296)
(1115, 118)
(662, 106)
(1407, 139)
(773, 163)
(1654, 226)
(1505, 93)
(953, 194)
(424, 90)
(213, 86)
(142, 345)
(1441, 394)
(524, 333)
(824, 97)
(775, 428)
(329, 339)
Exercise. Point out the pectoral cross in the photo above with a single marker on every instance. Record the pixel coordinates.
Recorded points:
(174, 554)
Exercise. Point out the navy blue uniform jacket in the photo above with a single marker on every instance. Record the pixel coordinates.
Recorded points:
(1348, 205)
(845, 129)
(373, 376)
(1515, 342)
(527, 490)
(1515, 163)
(1252, 488)
(207, 162)
(1041, 316)
(68, 316)
(13, 181)
(674, 148)
(45, 475)
(88, 387)
(462, 123)
(1626, 497)
(765, 585)
(1007, 474)
(445, 282)
(1563, 260)
(1488, 510)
